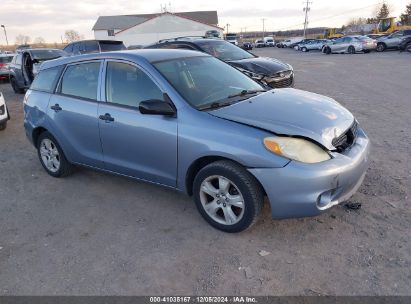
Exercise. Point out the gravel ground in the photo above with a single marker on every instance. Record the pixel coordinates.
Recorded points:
(97, 234)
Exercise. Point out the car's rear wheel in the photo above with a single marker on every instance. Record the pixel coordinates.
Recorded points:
(408, 47)
(351, 50)
(304, 49)
(15, 86)
(52, 157)
(227, 196)
(381, 47)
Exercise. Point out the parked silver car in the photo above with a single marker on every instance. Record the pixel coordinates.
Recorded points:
(392, 41)
(350, 45)
(313, 45)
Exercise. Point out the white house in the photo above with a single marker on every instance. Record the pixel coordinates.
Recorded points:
(150, 28)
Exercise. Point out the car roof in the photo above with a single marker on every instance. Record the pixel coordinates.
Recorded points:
(97, 40)
(150, 55)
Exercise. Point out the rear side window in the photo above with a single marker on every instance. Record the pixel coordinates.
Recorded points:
(46, 80)
(81, 80)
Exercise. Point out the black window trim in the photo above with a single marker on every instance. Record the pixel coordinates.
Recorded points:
(59, 84)
(104, 81)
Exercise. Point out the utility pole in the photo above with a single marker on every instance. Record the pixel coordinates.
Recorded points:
(5, 33)
(227, 25)
(263, 28)
(306, 9)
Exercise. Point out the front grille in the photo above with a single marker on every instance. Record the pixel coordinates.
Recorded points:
(282, 83)
(346, 139)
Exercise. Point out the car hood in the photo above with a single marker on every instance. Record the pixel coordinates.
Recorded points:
(261, 65)
(292, 112)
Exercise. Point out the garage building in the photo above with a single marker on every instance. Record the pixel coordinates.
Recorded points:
(149, 28)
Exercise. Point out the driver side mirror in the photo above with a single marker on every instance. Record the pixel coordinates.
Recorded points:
(157, 107)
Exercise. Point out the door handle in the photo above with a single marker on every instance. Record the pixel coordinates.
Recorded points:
(106, 117)
(56, 108)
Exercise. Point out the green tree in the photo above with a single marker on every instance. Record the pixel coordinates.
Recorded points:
(383, 12)
(406, 17)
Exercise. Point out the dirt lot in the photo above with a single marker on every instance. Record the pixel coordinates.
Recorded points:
(97, 234)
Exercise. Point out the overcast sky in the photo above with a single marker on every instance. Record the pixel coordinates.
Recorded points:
(50, 18)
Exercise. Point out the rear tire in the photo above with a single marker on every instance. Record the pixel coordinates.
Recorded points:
(304, 49)
(52, 157)
(227, 196)
(408, 47)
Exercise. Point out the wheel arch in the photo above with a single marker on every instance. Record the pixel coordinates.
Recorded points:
(200, 163)
(35, 134)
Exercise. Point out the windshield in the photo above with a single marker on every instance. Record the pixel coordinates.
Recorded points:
(110, 46)
(42, 55)
(223, 50)
(206, 80)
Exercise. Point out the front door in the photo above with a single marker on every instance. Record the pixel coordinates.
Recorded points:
(134, 144)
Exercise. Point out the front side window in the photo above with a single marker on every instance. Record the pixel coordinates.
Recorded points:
(81, 80)
(46, 80)
(224, 50)
(206, 80)
(128, 85)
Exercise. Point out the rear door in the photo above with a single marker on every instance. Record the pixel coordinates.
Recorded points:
(16, 69)
(73, 113)
(394, 40)
(134, 144)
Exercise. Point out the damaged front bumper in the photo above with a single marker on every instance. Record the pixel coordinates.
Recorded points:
(300, 190)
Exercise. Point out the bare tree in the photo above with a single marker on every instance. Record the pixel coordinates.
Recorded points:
(357, 21)
(39, 40)
(72, 35)
(22, 39)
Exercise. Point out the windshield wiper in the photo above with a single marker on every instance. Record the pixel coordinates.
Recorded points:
(220, 104)
(246, 92)
(214, 105)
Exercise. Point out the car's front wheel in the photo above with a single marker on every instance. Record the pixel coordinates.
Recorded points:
(15, 86)
(304, 49)
(227, 196)
(351, 50)
(408, 47)
(52, 157)
(381, 47)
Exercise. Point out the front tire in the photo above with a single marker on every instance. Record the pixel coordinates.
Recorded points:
(381, 47)
(52, 157)
(15, 86)
(408, 47)
(351, 50)
(304, 49)
(227, 196)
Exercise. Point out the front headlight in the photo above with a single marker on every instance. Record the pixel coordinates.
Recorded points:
(296, 148)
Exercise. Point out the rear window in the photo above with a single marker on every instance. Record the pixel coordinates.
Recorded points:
(407, 32)
(111, 46)
(42, 55)
(46, 80)
(81, 80)
(6, 59)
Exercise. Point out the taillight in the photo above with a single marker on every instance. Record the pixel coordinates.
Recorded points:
(2, 65)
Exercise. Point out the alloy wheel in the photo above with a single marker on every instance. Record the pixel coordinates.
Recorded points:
(222, 200)
(49, 155)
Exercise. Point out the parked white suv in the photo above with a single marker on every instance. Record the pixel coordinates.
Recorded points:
(4, 114)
